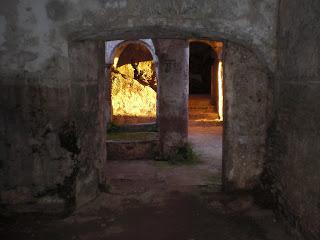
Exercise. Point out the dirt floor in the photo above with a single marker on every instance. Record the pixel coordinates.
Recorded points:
(150, 200)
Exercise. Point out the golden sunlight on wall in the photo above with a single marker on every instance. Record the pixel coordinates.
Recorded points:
(134, 93)
(220, 91)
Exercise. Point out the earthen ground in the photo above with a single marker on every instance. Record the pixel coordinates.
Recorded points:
(150, 200)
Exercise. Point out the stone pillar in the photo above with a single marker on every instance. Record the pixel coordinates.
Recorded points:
(108, 86)
(247, 95)
(87, 124)
(173, 86)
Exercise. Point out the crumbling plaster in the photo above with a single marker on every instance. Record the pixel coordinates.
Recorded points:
(48, 99)
(36, 32)
(114, 48)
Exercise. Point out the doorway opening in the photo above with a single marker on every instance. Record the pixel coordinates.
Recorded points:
(246, 121)
(206, 81)
(206, 102)
(132, 96)
(133, 83)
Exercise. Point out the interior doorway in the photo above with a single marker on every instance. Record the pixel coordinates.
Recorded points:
(206, 102)
(206, 81)
(132, 100)
(133, 84)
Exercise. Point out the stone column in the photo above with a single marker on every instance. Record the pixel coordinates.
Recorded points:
(86, 129)
(108, 85)
(247, 95)
(173, 86)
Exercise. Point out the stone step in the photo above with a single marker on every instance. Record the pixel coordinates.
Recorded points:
(193, 123)
(142, 127)
(209, 116)
(200, 105)
(132, 145)
(200, 111)
(132, 150)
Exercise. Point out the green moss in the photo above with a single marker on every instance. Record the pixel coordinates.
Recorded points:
(152, 128)
(183, 155)
(113, 128)
(132, 136)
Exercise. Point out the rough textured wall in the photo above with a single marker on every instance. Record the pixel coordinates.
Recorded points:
(33, 32)
(35, 77)
(295, 141)
(134, 100)
(114, 48)
(247, 113)
(87, 93)
(34, 160)
(173, 98)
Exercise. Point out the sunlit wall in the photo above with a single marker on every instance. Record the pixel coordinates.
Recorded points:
(133, 93)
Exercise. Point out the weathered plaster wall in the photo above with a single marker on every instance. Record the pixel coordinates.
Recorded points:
(114, 48)
(37, 91)
(45, 156)
(35, 31)
(295, 136)
(247, 113)
(35, 157)
(87, 116)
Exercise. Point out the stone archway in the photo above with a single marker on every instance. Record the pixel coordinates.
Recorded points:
(113, 50)
(74, 37)
(246, 105)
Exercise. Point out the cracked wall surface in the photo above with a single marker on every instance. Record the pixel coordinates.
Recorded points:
(247, 115)
(39, 93)
(294, 136)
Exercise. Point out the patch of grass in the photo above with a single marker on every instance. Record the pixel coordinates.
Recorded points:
(214, 179)
(183, 155)
(112, 128)
(152, 128)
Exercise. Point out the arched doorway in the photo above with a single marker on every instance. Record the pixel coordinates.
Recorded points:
(200, 64)
(206, 82)
(134, 85)
(245, 132)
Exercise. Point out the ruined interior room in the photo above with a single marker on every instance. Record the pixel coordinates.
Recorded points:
(160, 120)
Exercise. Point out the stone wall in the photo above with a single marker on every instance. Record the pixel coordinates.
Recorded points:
(87, 103)
(32, 32)
(247, 114)
(37, 147)
(295, 135)
(40, 99)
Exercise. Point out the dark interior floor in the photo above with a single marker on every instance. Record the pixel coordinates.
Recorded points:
(200, 213)
(159, 201)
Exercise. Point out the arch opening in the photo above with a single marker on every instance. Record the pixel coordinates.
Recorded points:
(134, 85)
(206, 80)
